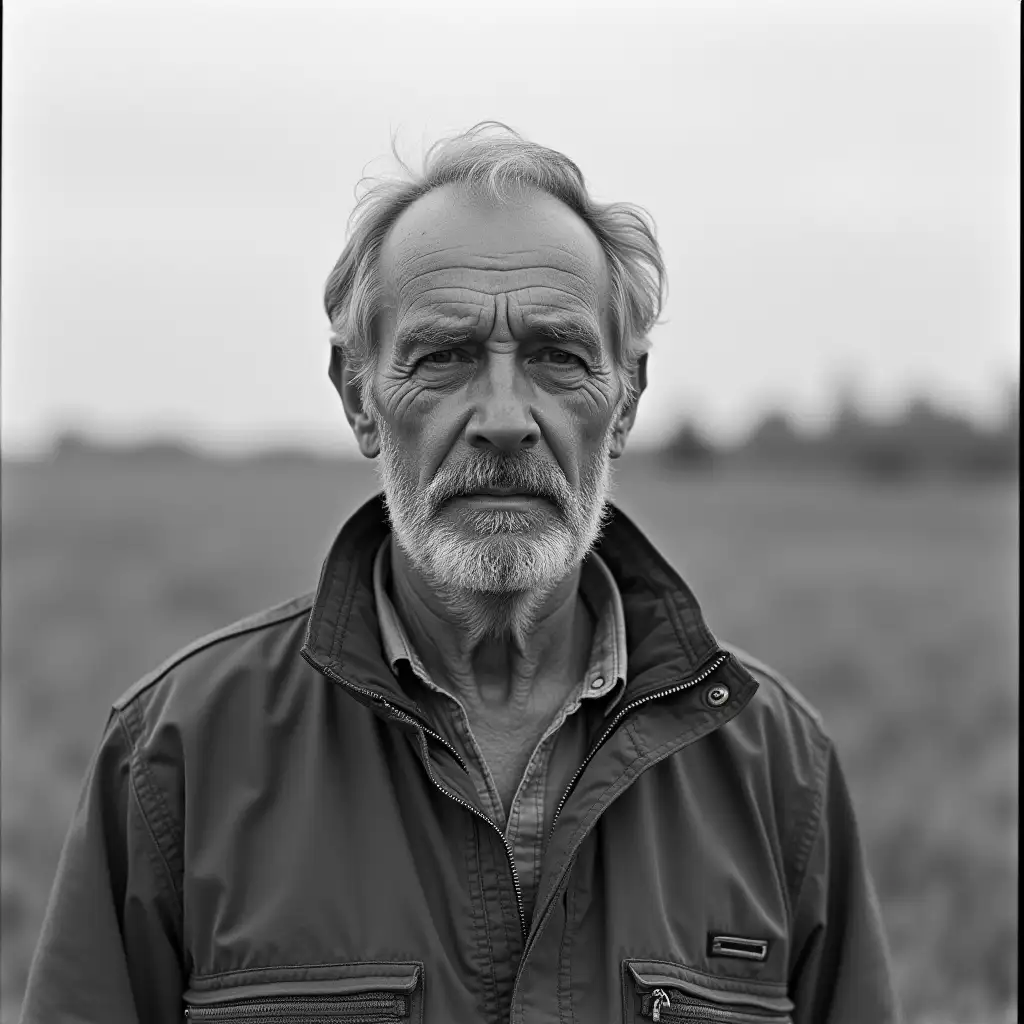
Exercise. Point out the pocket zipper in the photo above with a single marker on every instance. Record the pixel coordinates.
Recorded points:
(659, 999)
(658, 1005)
(359, 1008)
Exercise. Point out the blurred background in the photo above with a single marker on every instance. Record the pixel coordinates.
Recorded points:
(827, 451)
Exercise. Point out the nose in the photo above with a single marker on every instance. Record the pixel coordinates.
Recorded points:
(502, 420)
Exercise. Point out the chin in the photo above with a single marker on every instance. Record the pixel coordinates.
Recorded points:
(502, 563)
(498, 523)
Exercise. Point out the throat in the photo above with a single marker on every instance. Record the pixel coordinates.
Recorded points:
(503, 656)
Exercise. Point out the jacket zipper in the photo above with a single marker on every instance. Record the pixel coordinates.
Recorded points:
(718, 662)
(715, 665)
(357, 1008)
(712, 668)
(398, 713)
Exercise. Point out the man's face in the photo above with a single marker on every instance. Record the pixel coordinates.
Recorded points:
(495, 393)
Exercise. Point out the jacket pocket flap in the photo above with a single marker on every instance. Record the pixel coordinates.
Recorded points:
(323, 980)
(757, 995)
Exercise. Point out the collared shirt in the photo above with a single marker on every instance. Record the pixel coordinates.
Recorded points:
(564, 743)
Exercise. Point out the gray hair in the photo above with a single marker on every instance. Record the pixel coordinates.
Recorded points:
(494, 160)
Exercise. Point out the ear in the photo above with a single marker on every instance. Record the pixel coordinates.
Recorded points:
(624, 423)
(362, 423)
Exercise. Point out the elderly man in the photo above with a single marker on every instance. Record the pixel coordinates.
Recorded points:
(496, 768)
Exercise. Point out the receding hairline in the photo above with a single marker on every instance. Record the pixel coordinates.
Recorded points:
(468, 197)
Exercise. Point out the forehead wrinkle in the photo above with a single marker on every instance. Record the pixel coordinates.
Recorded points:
(549, 255)
(494, 282)
(541, 299)
(417, 255)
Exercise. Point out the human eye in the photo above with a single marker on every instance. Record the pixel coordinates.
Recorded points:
(442, 359)
(560, 357)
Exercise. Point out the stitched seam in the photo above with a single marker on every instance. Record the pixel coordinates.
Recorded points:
(300, 967)
(480, 917)
(164, 872)
(156, 855)
(680, 632)
(341, 626)
(157, 815)
(509, 909)
(630, 727)
(166, 878)
(791, 694)
(723, 984)
(566, 957)
(205, 643)
(160, 820)
(810, 832)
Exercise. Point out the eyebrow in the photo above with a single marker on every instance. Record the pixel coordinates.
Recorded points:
(431, 334)
(574, 330)
(435, 334)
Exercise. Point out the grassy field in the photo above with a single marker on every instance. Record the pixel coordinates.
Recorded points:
(894, 609)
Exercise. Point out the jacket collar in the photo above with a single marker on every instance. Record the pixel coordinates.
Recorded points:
(667, 638)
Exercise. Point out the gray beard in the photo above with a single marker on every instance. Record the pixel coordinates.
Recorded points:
(494, 569)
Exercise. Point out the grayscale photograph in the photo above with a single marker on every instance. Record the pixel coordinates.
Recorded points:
(510, 512)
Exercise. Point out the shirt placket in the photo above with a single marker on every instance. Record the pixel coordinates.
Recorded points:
(525, 827)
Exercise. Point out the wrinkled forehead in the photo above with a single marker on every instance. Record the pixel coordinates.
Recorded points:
(525, 241)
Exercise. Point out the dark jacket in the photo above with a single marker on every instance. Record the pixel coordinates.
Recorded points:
(269, 829)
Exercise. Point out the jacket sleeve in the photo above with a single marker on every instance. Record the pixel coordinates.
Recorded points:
(109, 948)
(841, 972)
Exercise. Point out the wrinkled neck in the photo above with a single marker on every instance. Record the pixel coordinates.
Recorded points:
(498, 653)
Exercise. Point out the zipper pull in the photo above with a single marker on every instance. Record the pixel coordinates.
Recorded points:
(660, 999)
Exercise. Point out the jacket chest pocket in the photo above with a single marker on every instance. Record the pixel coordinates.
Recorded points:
(358, 994)
(671, 994)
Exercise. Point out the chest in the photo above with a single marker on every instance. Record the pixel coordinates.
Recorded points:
(507, 750)
(369, 871)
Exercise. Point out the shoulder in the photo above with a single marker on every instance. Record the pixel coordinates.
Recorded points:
(788, 728)
(784, 732)
(786, 735)
(259, 646)
(776, 688)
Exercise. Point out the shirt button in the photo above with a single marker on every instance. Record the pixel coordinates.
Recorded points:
(717, 695)
(596, 684)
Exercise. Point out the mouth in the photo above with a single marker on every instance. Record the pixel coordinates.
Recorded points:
(502, 498)
(500, 492)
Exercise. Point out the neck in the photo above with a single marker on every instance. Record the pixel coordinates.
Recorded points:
(498, 653)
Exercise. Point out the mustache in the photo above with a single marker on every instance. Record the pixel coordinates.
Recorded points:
(526, 476)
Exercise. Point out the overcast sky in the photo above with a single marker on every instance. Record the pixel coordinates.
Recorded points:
(834, 183)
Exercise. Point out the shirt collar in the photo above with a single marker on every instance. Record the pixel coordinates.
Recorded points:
(606, 673)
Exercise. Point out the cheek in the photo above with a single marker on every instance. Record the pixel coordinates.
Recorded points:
(578, 427)
(590, 412)
(421, 420)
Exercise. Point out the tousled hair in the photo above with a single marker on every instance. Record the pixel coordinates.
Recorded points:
(492, 159)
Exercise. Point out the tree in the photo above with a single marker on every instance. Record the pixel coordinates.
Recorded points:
(689, 448)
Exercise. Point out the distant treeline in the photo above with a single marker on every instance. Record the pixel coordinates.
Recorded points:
(925, 440)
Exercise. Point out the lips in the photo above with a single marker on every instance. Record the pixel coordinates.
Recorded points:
(495, 497)
(501, 492)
